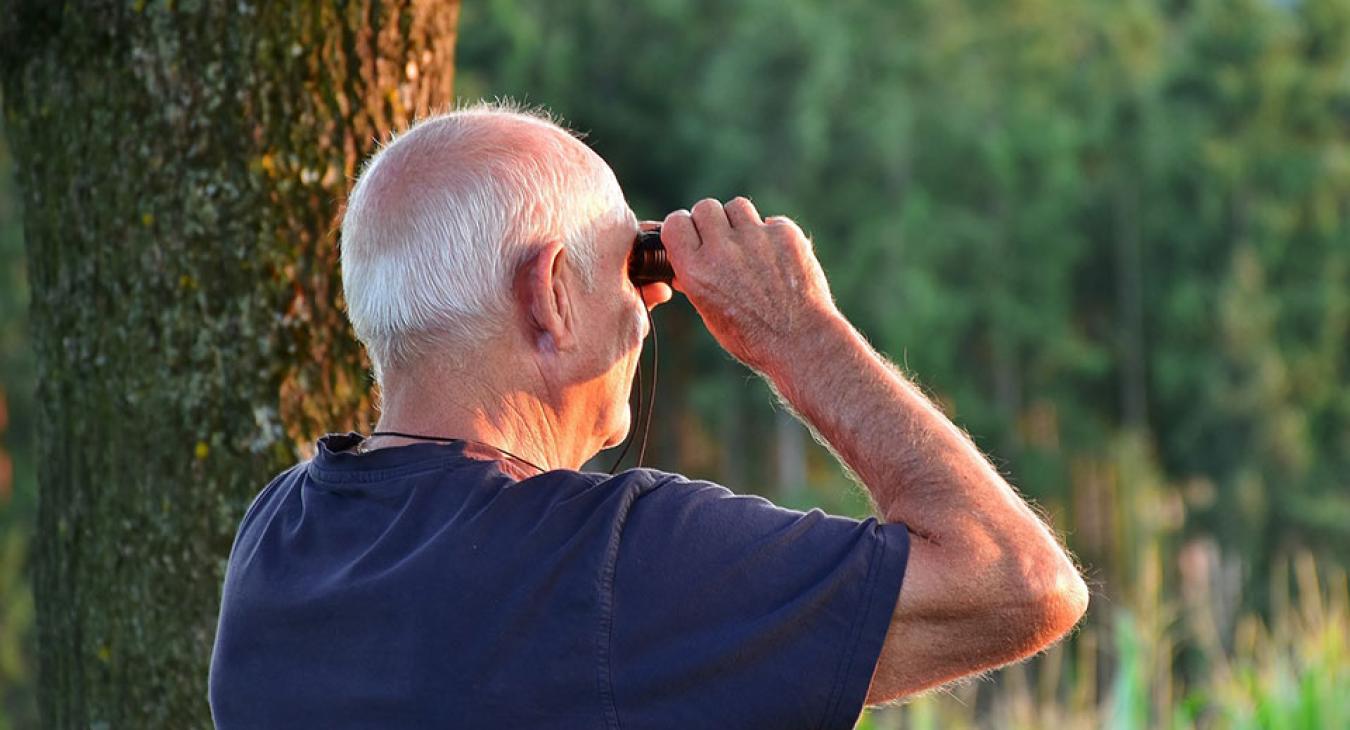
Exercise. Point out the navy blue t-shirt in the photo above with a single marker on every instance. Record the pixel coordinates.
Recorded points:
(420, 587)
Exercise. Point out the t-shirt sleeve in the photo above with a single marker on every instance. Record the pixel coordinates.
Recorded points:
(729, 611)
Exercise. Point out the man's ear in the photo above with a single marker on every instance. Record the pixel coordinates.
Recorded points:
(544, 296)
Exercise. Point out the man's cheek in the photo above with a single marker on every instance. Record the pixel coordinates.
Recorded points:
(629, 329)
(640, 322)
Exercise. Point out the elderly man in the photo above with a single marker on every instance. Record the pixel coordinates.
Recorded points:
(458, 571)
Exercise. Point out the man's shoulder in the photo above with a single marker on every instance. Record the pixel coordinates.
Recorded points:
(287, 476)
(645, 482)
(633, 490)
(655, 485)
(637, 478)
(624, 487)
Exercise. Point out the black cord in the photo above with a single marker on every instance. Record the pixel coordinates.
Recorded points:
(651, 403)
(646, 430)
(448, 440)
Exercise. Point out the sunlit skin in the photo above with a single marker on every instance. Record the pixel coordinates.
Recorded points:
(554, 387)
(986, 584)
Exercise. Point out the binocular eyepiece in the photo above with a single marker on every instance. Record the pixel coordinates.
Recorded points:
(648, 263)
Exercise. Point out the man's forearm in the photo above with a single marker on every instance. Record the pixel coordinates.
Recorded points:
(985, 583)
(920, 468)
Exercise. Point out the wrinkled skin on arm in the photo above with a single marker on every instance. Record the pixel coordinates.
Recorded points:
(987, 582)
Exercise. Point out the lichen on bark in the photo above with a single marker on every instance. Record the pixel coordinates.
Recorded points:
(182, 164)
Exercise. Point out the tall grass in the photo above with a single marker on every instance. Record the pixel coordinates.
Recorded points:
(1122, 672)
(1166, 643)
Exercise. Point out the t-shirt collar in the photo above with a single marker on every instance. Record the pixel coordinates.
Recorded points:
(336, 452)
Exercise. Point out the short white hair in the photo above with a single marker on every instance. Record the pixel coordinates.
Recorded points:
(442, 216)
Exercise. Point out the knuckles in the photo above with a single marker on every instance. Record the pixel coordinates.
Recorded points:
(741, 203)
(706, 206)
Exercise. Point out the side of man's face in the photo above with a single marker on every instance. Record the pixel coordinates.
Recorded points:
(613, 323)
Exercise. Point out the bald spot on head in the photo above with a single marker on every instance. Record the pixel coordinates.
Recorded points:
(468, 150)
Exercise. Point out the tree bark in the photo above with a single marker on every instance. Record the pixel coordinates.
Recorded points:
(181, 164)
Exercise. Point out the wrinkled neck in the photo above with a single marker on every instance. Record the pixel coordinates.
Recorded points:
(521, 417)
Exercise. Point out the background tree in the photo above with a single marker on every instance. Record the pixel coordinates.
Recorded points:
(1112, 238)
(1078, 226)
(181, 166)
(18, 498)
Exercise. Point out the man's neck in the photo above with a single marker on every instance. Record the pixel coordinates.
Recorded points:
(455, 405)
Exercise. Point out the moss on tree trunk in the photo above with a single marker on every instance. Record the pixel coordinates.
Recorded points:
(182, 164)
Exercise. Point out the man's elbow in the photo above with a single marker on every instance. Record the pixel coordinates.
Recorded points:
(1051, 610)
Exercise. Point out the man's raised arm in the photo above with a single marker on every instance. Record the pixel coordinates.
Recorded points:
(987, 583)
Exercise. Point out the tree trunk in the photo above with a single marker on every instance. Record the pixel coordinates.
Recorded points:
(181, 165)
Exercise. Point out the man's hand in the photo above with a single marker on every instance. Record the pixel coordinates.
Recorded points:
(756, 283)
(986, 583)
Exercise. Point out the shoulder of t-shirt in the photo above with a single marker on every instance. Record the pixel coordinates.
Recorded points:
(644, 480)
(265, 496)
(654, 487)
(627, 485)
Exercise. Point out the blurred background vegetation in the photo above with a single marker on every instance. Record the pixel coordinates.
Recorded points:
(1110, 237)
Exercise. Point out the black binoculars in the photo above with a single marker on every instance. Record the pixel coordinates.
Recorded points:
(648, 263)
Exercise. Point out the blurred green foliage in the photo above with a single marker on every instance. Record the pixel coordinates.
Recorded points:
(1109, 237)
(1069, 222)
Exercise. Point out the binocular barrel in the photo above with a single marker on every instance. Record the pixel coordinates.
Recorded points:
(648, 264)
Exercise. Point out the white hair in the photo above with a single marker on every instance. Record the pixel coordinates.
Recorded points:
(443, 215)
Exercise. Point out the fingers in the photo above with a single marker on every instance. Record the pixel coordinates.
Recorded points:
(711, 220)
(678, 232)
(741, 212)
(681, 240)
(783, 222)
